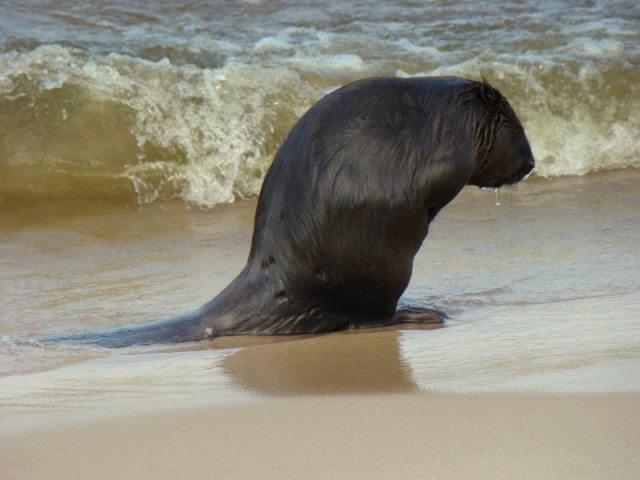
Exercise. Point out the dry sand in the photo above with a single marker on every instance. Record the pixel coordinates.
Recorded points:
(400, 436)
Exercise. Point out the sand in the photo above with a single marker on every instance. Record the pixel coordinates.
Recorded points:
(377, 436)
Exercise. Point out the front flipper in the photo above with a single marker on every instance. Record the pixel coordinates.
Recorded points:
(406, 312)
(419, 316)
(414, 312)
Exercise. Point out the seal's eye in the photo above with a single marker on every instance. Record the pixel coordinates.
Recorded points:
(515, 128)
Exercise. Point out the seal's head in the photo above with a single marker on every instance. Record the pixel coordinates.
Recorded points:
(504, 155)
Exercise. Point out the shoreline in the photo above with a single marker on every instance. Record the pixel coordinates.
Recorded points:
(549, 351)
(413, 435)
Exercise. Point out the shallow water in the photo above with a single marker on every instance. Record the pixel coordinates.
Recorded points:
(543, 290)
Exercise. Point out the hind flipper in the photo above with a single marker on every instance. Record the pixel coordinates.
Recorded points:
(188, 327)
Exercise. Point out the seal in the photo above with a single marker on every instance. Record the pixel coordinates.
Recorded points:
(347, 203)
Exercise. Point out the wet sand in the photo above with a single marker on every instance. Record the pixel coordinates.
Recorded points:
(401, 436)
(345, 405)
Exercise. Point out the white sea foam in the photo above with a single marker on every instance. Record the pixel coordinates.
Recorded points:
(222, 125)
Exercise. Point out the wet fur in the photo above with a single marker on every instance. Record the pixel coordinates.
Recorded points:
(347, 204)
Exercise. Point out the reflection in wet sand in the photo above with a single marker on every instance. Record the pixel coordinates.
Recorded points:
(229, 369)
(339, 363)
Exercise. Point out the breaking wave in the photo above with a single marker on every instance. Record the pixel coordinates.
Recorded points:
(199, 116)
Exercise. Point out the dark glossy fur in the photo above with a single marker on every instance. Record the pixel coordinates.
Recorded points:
(347, 203)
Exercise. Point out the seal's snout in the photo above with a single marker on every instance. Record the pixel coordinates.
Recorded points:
(525, 163)
(531, 163)
(528, 166)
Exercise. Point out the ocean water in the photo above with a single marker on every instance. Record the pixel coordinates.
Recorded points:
(134, 137)
(149, 101)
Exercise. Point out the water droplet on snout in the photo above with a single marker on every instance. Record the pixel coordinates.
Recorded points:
(497, 198)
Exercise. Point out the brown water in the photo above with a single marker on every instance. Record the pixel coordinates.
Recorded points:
(543, 290)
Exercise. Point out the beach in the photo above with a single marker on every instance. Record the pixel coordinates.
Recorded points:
(134, 139)
(382, 436)
(511, 387)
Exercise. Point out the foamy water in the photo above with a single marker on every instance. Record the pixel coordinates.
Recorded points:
(191, 100)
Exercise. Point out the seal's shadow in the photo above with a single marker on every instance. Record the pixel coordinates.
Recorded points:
(350, 362)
